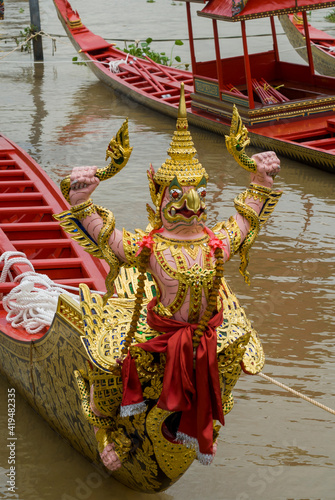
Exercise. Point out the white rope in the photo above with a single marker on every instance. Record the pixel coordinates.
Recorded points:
(32, 304)
(296, 393)
(114, 65)
(324, 47)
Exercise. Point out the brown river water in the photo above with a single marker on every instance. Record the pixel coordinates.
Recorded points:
(275, 446)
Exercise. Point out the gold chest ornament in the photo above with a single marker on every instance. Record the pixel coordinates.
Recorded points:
(195, 280)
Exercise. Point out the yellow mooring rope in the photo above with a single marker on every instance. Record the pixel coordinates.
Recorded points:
(296, 393)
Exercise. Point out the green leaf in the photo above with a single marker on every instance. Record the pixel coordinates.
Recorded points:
(178, 59)
(178, 42)
(149, 40)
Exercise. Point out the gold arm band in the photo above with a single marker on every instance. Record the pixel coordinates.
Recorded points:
(256, 195)
(259, 188)
(83, 210)
(103, 439)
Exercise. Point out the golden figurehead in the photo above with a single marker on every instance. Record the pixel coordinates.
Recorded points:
(171, 346)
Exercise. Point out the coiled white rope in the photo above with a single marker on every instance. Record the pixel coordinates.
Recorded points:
(32, 304)
(114, 65)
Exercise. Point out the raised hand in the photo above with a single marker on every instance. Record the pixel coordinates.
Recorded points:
(268, 166)
(83, 182)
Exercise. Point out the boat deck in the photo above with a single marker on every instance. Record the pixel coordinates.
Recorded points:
(28, 200)
(146, 76)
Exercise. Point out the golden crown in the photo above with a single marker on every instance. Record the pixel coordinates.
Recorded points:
(181, 163)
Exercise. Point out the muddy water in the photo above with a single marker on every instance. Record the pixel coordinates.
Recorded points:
(274, 445)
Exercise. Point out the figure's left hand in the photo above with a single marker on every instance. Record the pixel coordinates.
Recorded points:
(268, 166)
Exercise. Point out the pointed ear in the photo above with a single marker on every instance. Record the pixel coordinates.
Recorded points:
(151, 174)
(153, 186)
(151, 215)
(152, 170)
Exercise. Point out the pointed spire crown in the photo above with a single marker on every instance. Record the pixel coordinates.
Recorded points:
(182, 162)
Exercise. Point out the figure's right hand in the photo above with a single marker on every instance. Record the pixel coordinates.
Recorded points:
(82, 184)
(109, 458)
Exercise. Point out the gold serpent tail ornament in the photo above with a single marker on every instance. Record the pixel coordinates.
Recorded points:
(237, 141)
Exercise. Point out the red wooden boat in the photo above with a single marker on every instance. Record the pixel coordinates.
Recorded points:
(322, 44)
(286, 107)
(40, 365)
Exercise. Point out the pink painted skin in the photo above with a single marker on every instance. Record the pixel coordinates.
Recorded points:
(84, 182)
(108, 456)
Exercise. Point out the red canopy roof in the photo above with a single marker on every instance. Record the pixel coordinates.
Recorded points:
(235, 10)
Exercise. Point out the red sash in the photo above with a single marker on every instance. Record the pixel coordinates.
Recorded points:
(196, 393)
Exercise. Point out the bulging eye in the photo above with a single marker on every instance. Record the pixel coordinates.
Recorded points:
(176, 194)
(202, 191)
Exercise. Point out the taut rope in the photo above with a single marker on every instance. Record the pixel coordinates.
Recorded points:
(296, 393)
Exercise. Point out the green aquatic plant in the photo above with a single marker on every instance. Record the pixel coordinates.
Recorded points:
(142, 49)
(80, 63)
(331, 16)
(25, 37)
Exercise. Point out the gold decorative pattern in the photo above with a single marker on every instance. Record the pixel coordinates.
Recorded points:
(172, 458)
(233, 231)
(69, 310)
(208, 88)
(237, 141)
(103, 423)
(43, 373)
(252, 217)
(72, 226)
(127, 282)
(83, 210)
(130, 246)
(195, 279)
(105, 328)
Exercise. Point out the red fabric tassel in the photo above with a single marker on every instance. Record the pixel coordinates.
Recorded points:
(196, 393)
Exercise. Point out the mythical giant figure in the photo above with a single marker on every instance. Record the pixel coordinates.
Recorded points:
(169, 340)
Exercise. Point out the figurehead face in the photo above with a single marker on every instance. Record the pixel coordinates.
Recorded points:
(184, 206)
(178, 188)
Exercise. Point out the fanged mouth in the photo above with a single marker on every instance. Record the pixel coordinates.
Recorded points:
(185, 212)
